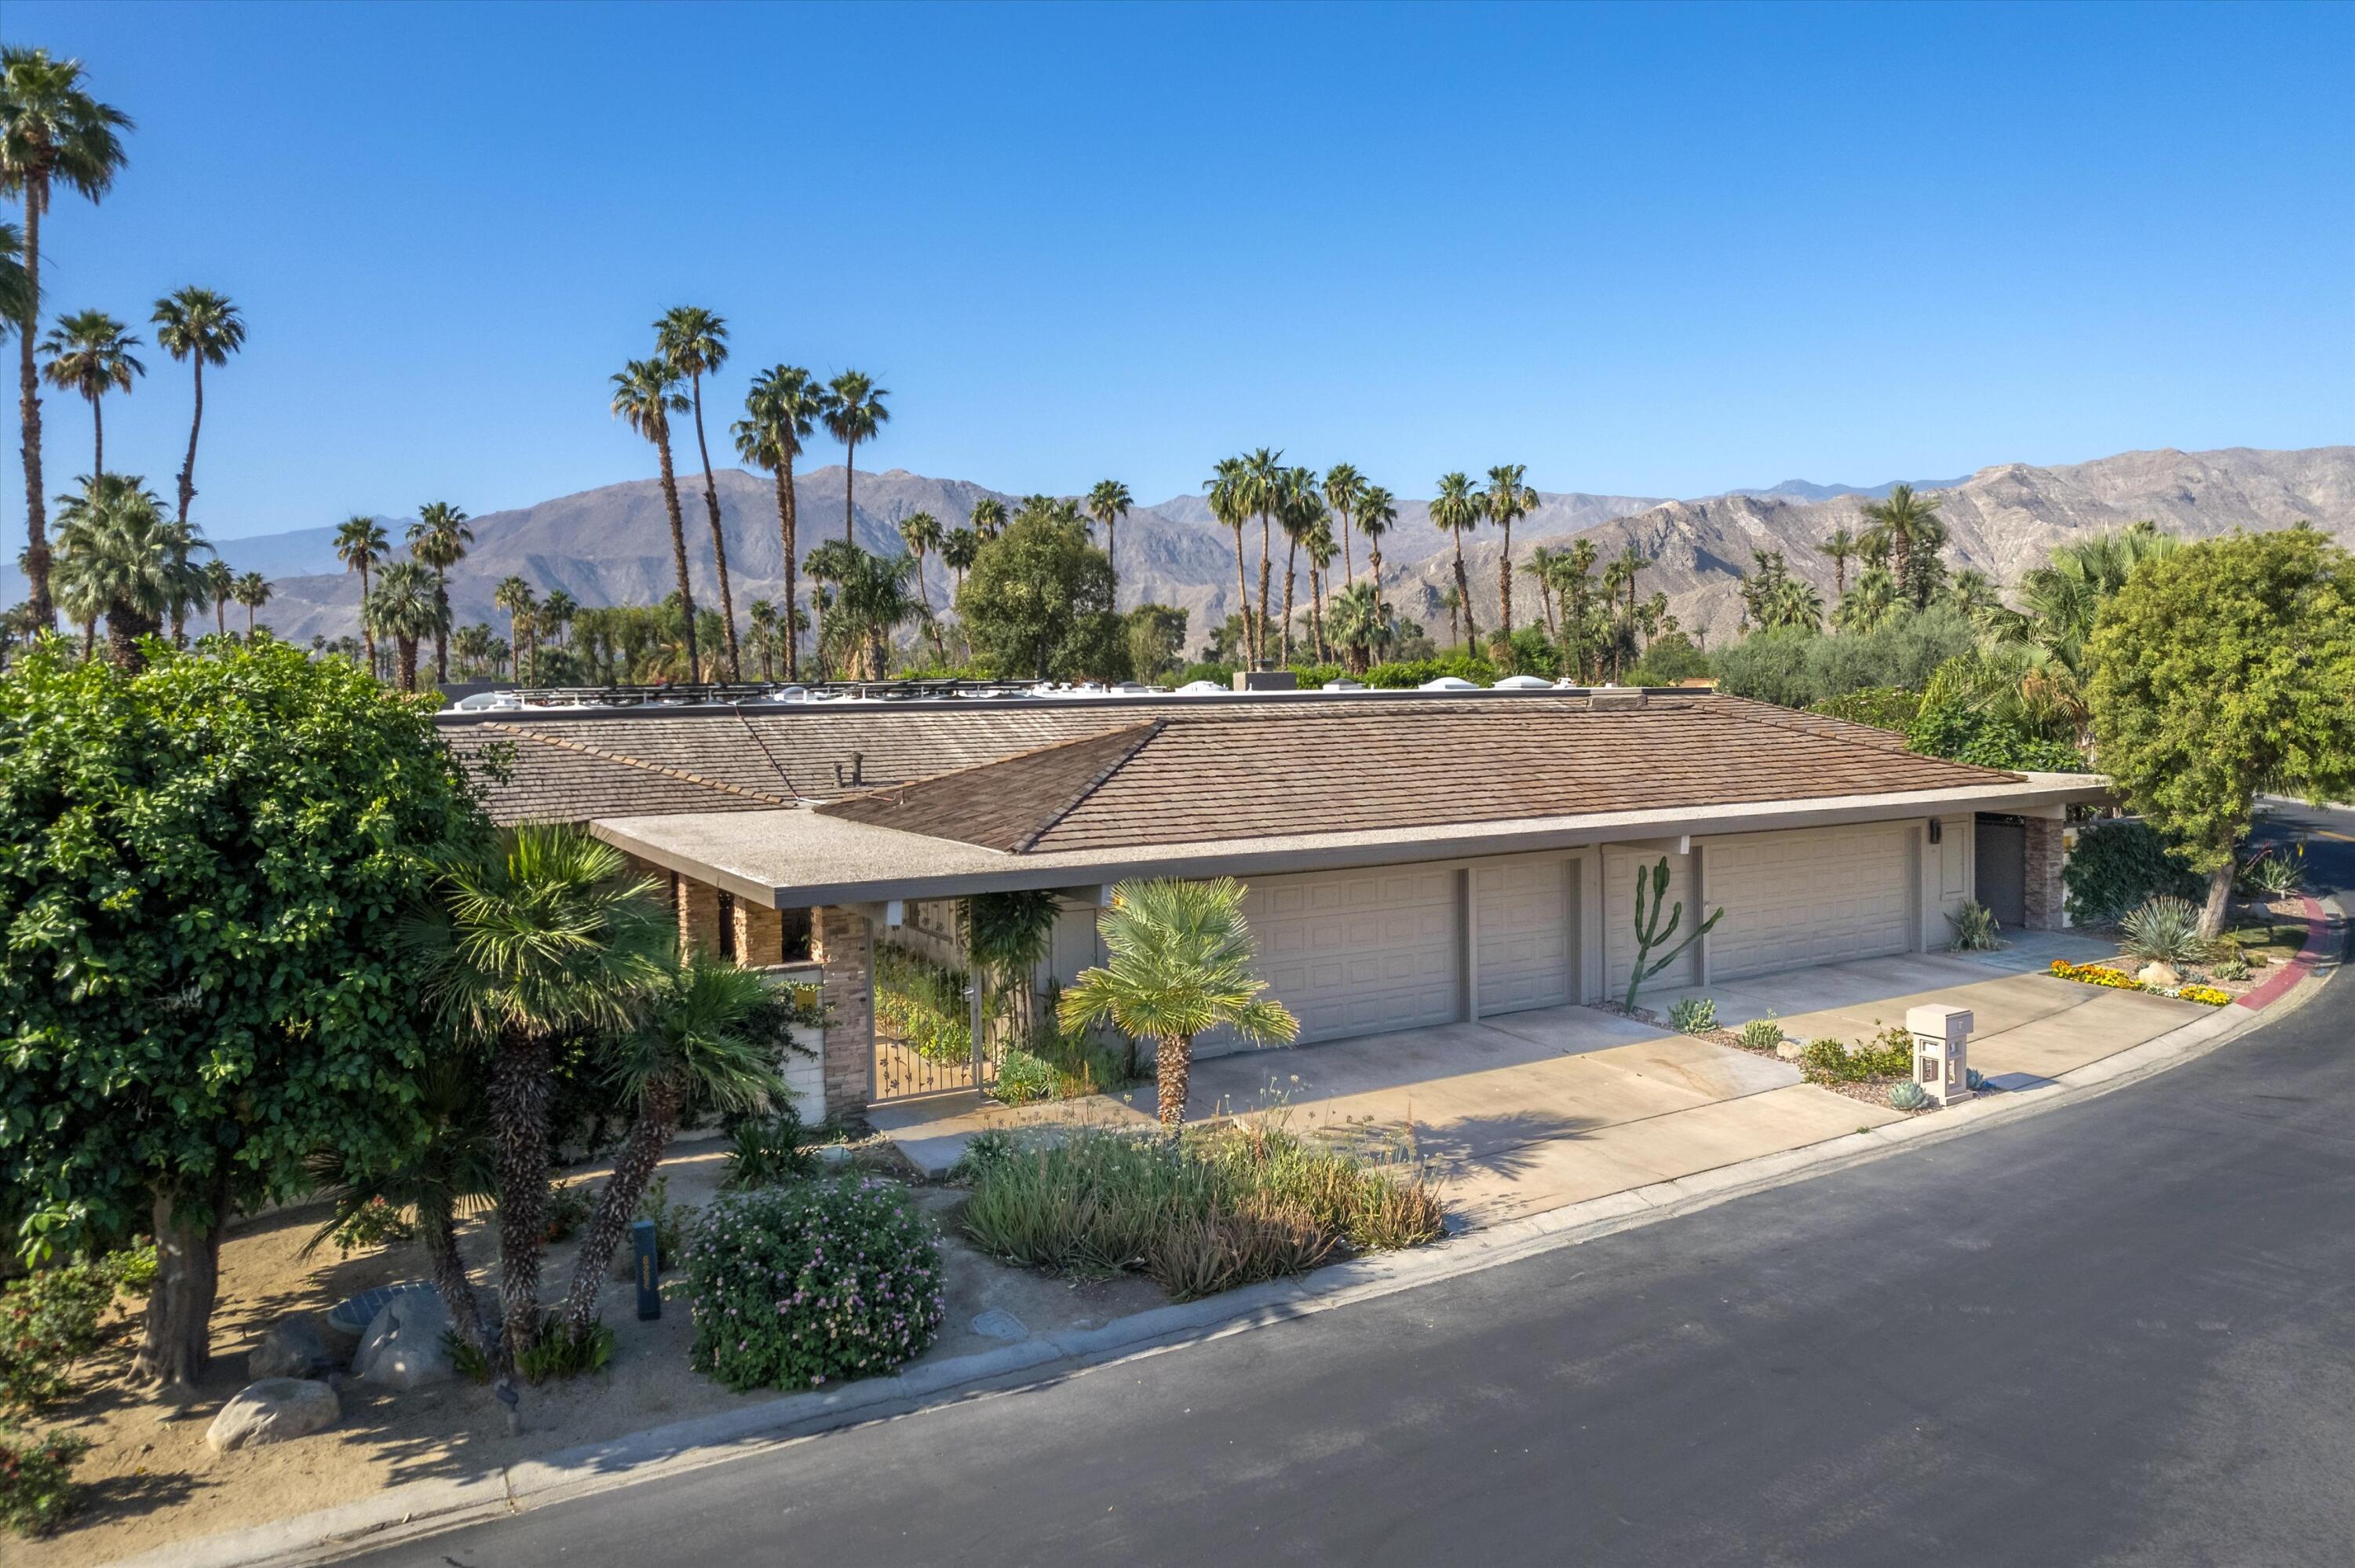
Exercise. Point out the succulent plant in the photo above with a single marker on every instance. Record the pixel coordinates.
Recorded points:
(1974, 1079)
(1693, 1015)
(1763, 1033)
(1908, 1096)
(2164, 930)
(1974, 928)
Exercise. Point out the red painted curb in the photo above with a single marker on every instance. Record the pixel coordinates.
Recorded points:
(2298, 969)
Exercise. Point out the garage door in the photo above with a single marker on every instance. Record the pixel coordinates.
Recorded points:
(1813, 898)
(1619, 869)
(1525, 929)
(1360, 952)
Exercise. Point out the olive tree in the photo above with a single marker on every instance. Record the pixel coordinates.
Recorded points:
(1037, 603)
(202, 866)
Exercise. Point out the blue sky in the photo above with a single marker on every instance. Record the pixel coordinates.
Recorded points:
(1646, 251)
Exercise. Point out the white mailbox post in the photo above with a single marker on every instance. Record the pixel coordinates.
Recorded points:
(1941, 1051)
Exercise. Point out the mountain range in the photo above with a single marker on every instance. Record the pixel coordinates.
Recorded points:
(612, 545)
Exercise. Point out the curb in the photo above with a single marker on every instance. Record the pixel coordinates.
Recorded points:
(416, 1509)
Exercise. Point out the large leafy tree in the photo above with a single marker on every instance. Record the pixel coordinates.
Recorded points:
(201, 866)
(647, 394)
(203, 328)
(779, 412)
(2224, 669)
(52, 133)
(1177, 964)
(695, 341)
(1038, 602)
(854, 413)
(89, 355)
(438, 540)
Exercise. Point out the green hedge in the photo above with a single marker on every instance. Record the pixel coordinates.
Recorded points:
(2118, 865)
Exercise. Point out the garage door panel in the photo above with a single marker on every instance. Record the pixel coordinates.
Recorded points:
(1809, 897)
(1356, 952)
(1526, 922)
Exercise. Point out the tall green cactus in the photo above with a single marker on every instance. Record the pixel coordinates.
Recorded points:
(1648, 934)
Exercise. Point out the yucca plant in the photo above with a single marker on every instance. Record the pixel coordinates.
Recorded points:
(2164, 930)
(2274, 869)
(1974, 928)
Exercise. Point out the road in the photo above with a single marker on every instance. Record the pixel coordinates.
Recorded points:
(2121, 1332)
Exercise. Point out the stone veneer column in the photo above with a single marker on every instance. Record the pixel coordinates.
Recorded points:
(698, 904)
(759, 934)
(843, 944)
(2045, 891)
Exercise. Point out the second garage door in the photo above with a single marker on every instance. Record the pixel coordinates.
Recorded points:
(1812, 897)
(1527, 956)
(1358, 952)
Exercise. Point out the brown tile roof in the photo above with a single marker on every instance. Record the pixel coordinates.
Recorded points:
(1201, 775)
(524, 776)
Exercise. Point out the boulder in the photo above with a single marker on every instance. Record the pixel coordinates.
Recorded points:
(291, 1347)
(1789, 1050)
(2159, 974)
(275, 1410)
(403, 1349)
(347, 1320)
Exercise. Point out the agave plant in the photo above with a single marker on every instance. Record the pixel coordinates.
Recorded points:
(1975, 928)
(2164, 930)
(1908, 1096)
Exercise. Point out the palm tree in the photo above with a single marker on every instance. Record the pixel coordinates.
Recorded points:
(1450, 600)
(1376, 515)
(1362, 626)
(647, 394)
(471, 644)
(1108, 503)
(1542, 563)
(1459, 509)
(854, 413)
(114, 560)
(779, 412)
(1905, 523)
(360, 543)
(870, 601)
(514, 596)
(438, 539)
(537, 938)
(1867, 606)
(1299, 507)
(1507, 501)
(1572, 572)
(15, 289)
(1841, 546)
(711, 1035)
(1343, 485)
(988, 518)
(1321, 549)
(695, 341)
(828, 563)
(1263, 493)
(1795, 602)
(253, 590)
(1178, 961)
(52, 133)
(763, 614)
(203, 328)
(221, 582)
(89, 353)
(921, 532)
(1229, 487)
(404, 607)
(188, 583)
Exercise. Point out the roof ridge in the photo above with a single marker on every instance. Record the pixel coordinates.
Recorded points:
(1746, 711)
(685, 775)
(1147, 734)
(899, 786)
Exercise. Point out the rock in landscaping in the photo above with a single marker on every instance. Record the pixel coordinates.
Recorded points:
(2159, 974)
(403, 1348)
(275, 1410)
(1789, 1050)
(293, 1348)
(347, 1320)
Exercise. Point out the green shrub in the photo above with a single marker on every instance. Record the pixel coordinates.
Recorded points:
(922, 1004)
(49, 1320)
(1961, 732)
(2117, 865)
(376, 1223)
(764, 1152)
(2231, 964)
(555, 1353)
(1023, 1078)
(1693, 1015)
(985, 1149)
(1763, 1033)
(1888, 1054)
(796, 1286)
(37, 1487)
(570, 1204)
(1418, 672)
(1974, 928)
(1882, 708)
(134, 1267)
(2164, 930)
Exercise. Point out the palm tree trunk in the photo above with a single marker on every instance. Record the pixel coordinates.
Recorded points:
(123, 640)
(1349, 567)
(220, 616)
(249, 622)
(649, 1138)
(1111, 555)
(1173, 1061)
(188, 469)
(1463, 588)
(678, 547)
(519, 1093)
(442, 626)
(440, 1234)
(1316, 611)
(1505, 585)
(719, 539)
(408, 661)
(29, 413)
(1291, 571)
(1242, 598)
(849, 474)
(368, 635)
(1266, 564)
(98, 439)
(785, 538)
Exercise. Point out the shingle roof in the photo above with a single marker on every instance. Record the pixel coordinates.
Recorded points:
(1206, 775)
(524, 776)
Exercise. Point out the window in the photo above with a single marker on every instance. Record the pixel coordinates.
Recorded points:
(727, 925)
(796, 923)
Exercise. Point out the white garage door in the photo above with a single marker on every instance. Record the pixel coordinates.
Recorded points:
(1812, 897)
(1525, 934)
(1358, 952)
(1619, 869)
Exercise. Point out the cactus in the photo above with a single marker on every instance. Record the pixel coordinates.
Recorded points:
(1693, 1015)
(1763, 1033)
(1650, 933)
(1908, 1096)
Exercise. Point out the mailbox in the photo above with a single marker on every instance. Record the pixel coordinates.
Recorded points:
(1941, 1051)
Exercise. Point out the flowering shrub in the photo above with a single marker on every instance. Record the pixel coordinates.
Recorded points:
(2208, 995)
(48, 1320)
(1888, 1054)
(37, 1487)
(793, 1286)
(2095, 974)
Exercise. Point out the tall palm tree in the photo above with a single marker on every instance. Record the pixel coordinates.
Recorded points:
(360, 544)
(1904, 523)
(542, 936)
(1299, 507)
(854, 413)
(203, 328)
(438, 540)
(988, 518)
(1572, 572)
(114, 560)
(1264, 492)
(1108, 503)
(1459, 509)
(514, 596)
(1343, 484)
(188, 585)
(253, 590)
(220, 581)
(1361, 624)
(1376, 515)
(695, 341)
(828, 564)
(1507, 501)
(1542, 561)
(1178, 962)
(1318, 544)
(471, 644)
(1229, 487)
(1841, 546)
(555, 618)
(647, 394)
(921, 532)
(1450, 600)
(711, 1035)
(870, 601)
(89, 355)
(780, 411)
(763, 614)
(52, 133)
(403, 608)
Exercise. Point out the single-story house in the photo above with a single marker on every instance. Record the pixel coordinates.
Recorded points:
(1412, 858)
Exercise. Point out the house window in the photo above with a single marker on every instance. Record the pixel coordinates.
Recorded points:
(727, 925)
(796, 923)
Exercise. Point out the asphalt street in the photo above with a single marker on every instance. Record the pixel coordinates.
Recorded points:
(2120, 1333)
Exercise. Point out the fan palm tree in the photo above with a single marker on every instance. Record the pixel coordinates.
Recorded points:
(1905, 523)
(1318, 544)
(763, 614)
(1795, 602)
(1229, 490)
(1542, 563)
(404, 607)
(870, 601)
(1459, 509)
(438, 540)
(1572, 572)
(360, 544)
(1108, 503)
(1343, 485)
(203, 328)
(854, 413)
(921, 532)
(188, 584)
(988, 518)
(1867, 606)
(514, 596)
(15, 289)
(52, 133)
(1362, 625)
(1299, 507)
(471, 644)
(695, 341)
(1179, 962)
(1376, 515)
(1506, 500)
(114, 560)
(1450, 600)
(1264, 492)
(90, 355)
(253, 592)
(220, 581)
(828, 564)
(1841, 546)
(780, 411)
(647, 394)
(709, 1033)
(540, 936)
